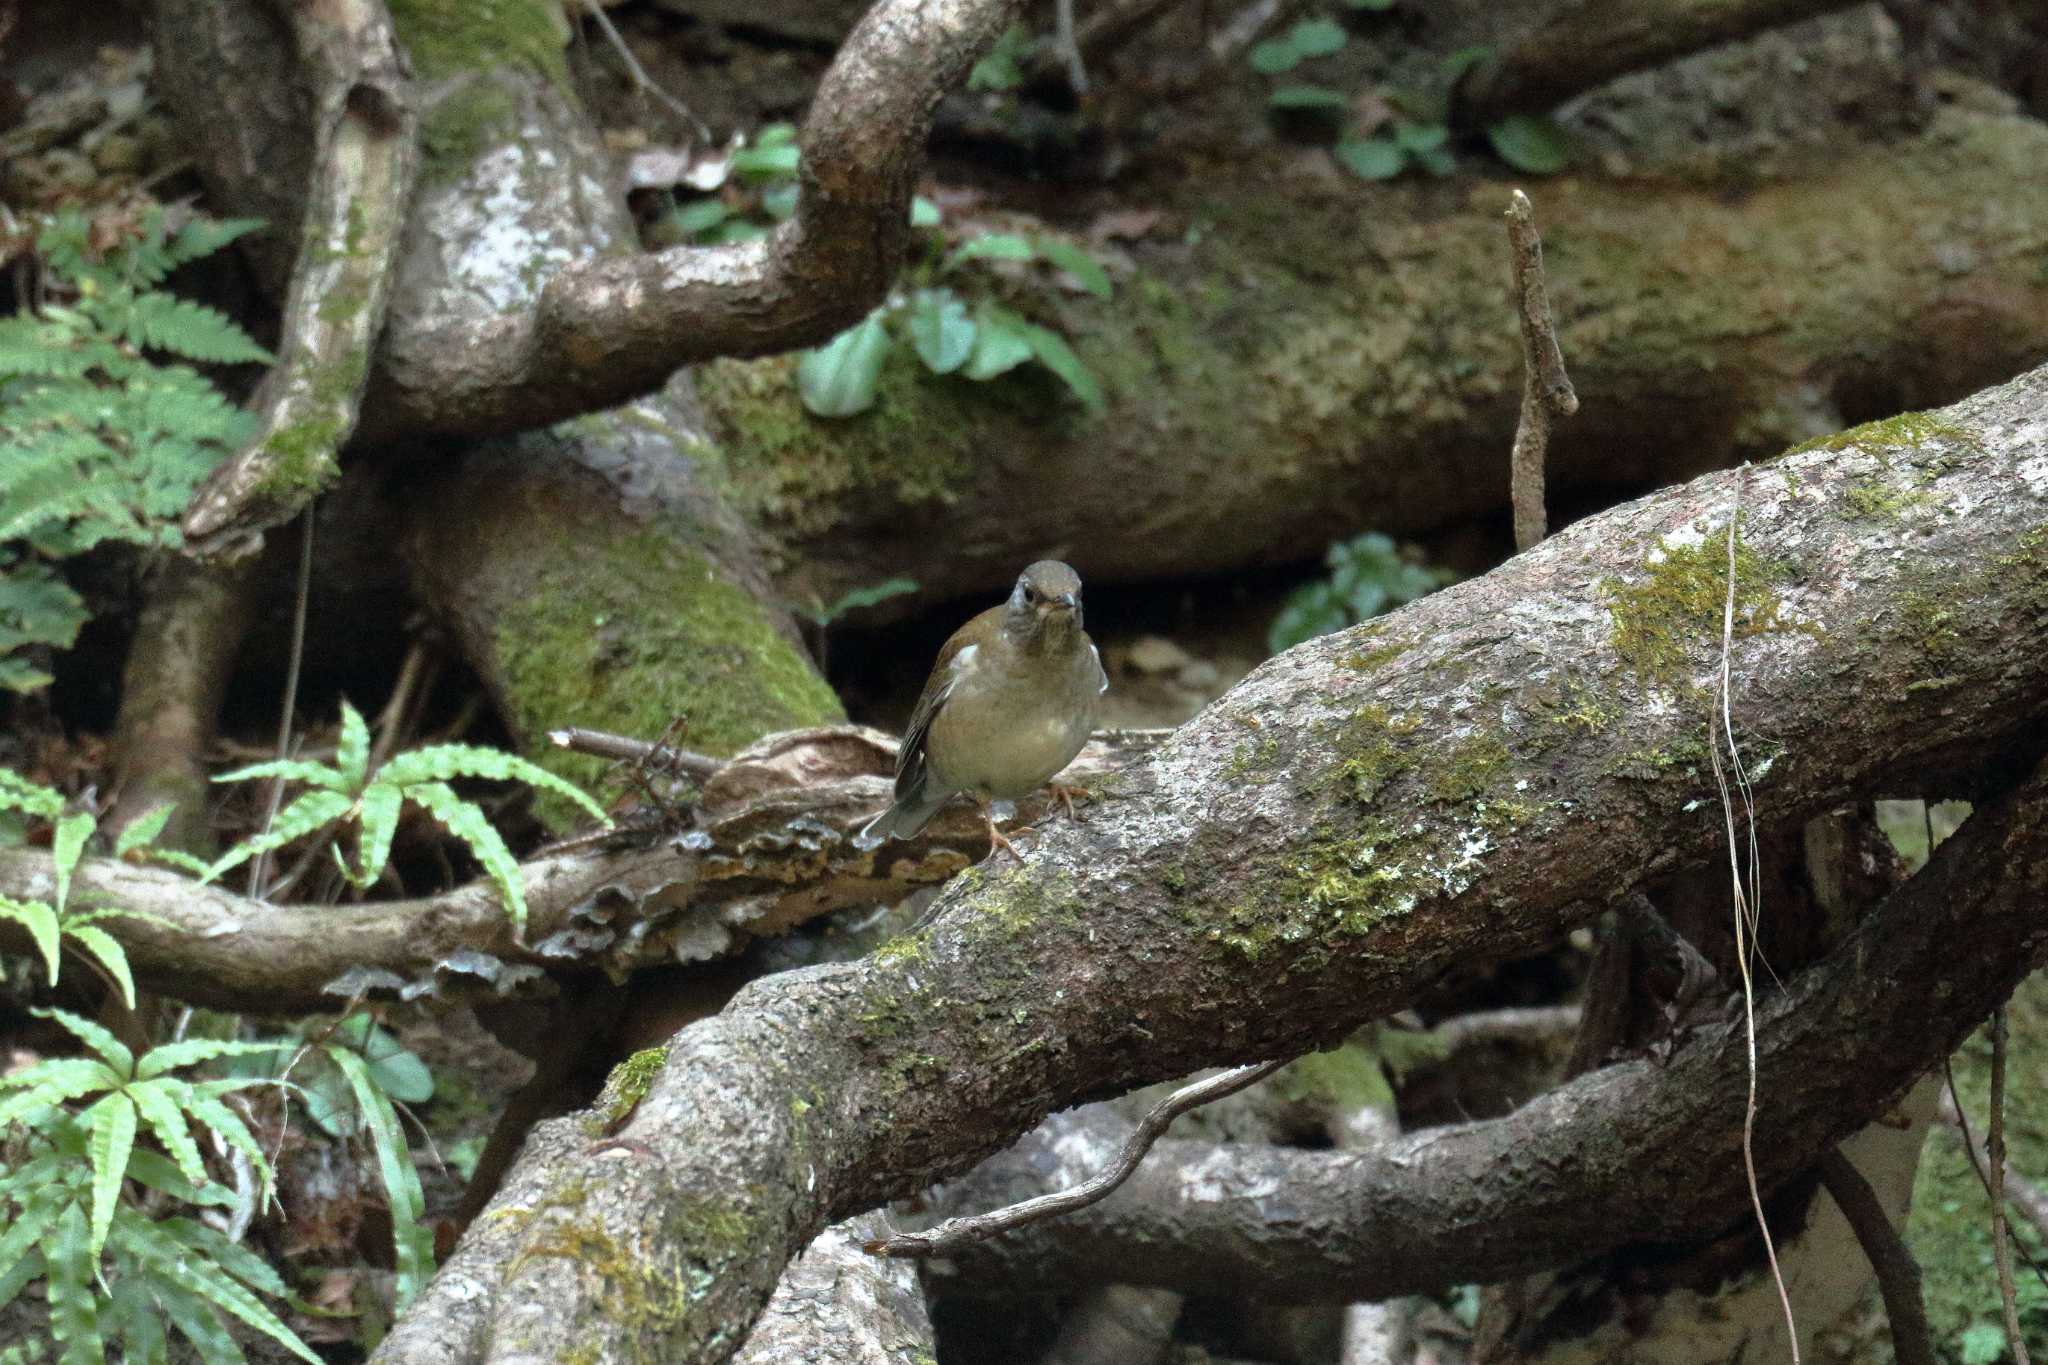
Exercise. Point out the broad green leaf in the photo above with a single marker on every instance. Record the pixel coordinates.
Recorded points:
(940, 330)
(1371, 158)
(69, 841)
(698, 217)
(99, 1039)
(397, 1072)
(1308, 97)
(467, 823)
(1275, 56)
(923, 212)
(1420, 137)
(40, 921)
(1084, 268)
(993, 246)
(761, 162)
(778, 134)
(839, 379)
(412, 1242)
(1317, 37)
(112, 1123)
(1531, 143)
(779, 201)
(162, 1104)
(1053, 352)
(1438, 161)
(352, 750)
(1454, 66)
(70, 1264)
(378, 812)
(108, 953)
(735, 230)
(312, 811)
(143, 830)
(999, 343)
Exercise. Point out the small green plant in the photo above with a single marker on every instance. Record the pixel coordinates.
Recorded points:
(115, 1268)
(1367, 576)
(936, 324)
(104, 443)
(349, 790)
(1002, 68)
(753, 191)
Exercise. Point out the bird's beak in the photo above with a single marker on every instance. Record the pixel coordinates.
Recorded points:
(1069, 601)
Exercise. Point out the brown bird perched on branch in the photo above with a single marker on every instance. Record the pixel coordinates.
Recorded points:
(1010, 701)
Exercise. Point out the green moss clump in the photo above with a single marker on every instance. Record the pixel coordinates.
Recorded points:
(1907, 431)
(626, 1087)
(908, 949)
(804, 473)
(1931, 625)
(458, 42)
(1365, 660)
(1876, 500)
(1347, 1077)
(1371, 752)
(1469, 769)
(580, 649)
(1677, 605)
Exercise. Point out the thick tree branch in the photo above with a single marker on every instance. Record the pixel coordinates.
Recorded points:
(1458, 782)
(1585, 43)
(1630, 1153)
(610, 328)
(365, 158)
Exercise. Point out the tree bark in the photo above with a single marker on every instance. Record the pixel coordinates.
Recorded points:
(1460, 782)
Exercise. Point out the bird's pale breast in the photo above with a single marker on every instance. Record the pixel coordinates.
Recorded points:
(1005, 737)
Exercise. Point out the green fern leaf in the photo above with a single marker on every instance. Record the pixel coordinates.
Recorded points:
(143, 830)
(292, 770)
(111, 1049)
(202, 1105)
(379, 822)
(352, 750)
(18, 1243)
(109, 953)
(198, 1323)
(444, 762)
(41, 923)
(65, 847)
(133, 1312)
(163, 1107)
(112, 1124)
(74, 1307)
(235, 1259)
(165, 322)
(468, 823)
(203, 236)
(312, 811)
(167, 1258)
(168, 1057)
(412, 1242)
(18, 793)
(162, 1174)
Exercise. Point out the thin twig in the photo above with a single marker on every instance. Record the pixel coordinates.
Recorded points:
(1898, 1274)
(625, 748)
(1066, 48)
(1748, 909)
(1994, 1154)
(958, 1232)
(392, 717)
(260, 864)
(2016, 1191)
(1546, 388)
(642, 82)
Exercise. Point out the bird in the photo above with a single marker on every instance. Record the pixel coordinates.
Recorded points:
(1010, 700)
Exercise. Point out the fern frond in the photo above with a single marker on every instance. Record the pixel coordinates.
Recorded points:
(112, 1125)
(352, 750)
(312, 811)
(293, 770)
(468, 823)
(197, 1323)
(74, 1307)
(101, 1040)
(203, 236)
(180, 327)
(170, 1056)
(108, 952)
(160, 1173)
(167, 1256)
(40, 920)
(164, 1111)
(412, 1242)
(136, 1320)
(56, 1086)
(379, 811)
(18, 793)
(444, 762)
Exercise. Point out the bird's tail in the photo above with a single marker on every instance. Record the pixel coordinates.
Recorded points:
(911, 812)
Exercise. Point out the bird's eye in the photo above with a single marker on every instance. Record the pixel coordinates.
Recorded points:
(1030, 593)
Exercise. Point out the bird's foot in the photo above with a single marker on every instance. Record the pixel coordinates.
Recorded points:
(996, 838)
(1065, 796)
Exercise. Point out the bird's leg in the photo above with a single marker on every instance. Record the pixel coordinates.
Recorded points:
(1065, 795)
(995, 836)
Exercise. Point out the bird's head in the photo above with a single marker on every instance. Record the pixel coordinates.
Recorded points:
(1045, 606)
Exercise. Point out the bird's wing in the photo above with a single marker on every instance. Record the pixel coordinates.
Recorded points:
(1101, 673)
(957, 654)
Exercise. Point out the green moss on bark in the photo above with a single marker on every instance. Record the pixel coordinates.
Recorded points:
(583, 648)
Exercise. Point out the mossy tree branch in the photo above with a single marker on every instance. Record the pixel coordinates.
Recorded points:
(1460, 782)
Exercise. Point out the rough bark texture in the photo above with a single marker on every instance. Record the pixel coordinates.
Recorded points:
(837, 1305)
(1459, 782)
(1332, 355)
